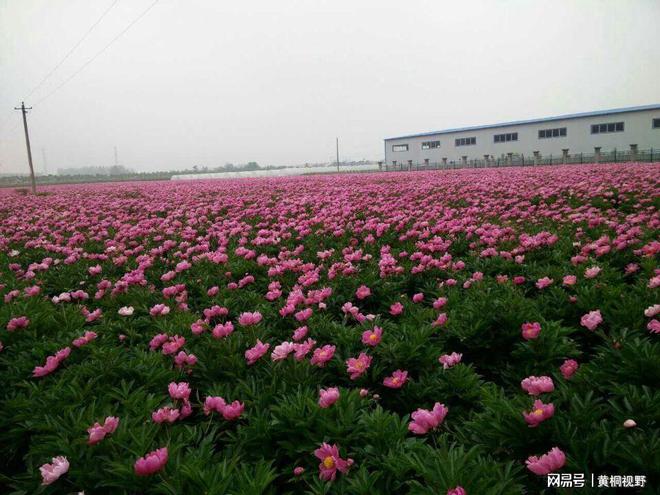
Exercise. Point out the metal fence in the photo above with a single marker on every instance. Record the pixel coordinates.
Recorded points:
(614, 156)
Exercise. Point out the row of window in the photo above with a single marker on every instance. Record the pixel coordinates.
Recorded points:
(513, 136)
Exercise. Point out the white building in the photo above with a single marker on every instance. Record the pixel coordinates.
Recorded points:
(628, 130)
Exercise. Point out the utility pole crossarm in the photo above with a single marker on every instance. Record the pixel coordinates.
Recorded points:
(24, 110)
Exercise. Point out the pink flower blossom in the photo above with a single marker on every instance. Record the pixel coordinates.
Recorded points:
(233, 411)
(417, 298)
(449, 360)
(183, 360)
(300, 333)
(539, 413)
(52, 363)
(592, 272)
(459, 490)
(397, 380)
(282, 351)
(328, 396)
(97, 432)
(569, 280)
(544, 282)
(547, 463)
(216, 404)
(298, 471)
(591, 320)
(357, 366)
(51, 472)
(652, 311)
(396, 309)
(158, 340)
(248, 319)
(534, 385)
(152, 462)
(159, 310)
(653, 326)
(18, 323)
(372, 337)
(440, 320)
(222, 330)
(439, 303)
(84, 340)
(253, 354)
(179, 391)
(322, 355)
(531, 331)
(424, 420)
(126, 311)
(173, 345)
(363, 292)
(331, 462)
(568, 368)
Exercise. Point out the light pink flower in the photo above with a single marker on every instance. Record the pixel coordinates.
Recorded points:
(322, 355)
(424, 420)
(459, 490)
(300, 333)
(539, 413)
(253, 354)
(159, 310)
(233, 411)
(417, 298)
(51, 472)
(357, 366)
(449, 360)
(547, 463)
(18, 323)
(328, 396)
(126, 311)
(247, 319)
(222, 330)
(569, 280)
(397, 380)
(544, 282)
(652, 311)
(396, 309)
(282, 351)
(440, 320)
(535, 385)
(592, 272)
(216, 404)
(591, 320)
(179, 391)
(653, 326)
(362, 292)
(152, 462)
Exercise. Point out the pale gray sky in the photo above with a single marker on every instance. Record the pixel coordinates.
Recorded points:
(210, 82)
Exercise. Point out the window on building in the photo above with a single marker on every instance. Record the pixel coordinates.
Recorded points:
(430, 145)
(399, 147)
(656, 123)
(503, 138)
(552, 133)
(466, 141)
(606, 128)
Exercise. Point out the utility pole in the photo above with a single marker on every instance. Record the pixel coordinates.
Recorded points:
(27, 143)
(337, 154)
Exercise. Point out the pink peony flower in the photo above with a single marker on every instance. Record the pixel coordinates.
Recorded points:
(126, 311)
(396, 309)
(328, 396)
(372, 337)
(282, 351)
(534, 385)
(531, 331)
(544, 282)
(591, 320)
(547, 463)
(51, 472)
(233, 411)
(84, 340)
(539, 413)
(653, 326)
(568, 368)
(331, 462)
(248, 319)
(322, 355)
(459, 490)
(173, 344)
(439, 303)
(97, 432)
(183, 360)
(300, 333)
(652, 311)
(222, 330)
(159, 310)
(424, 420)
(397, 380)
(298, 471)
(255, 353)
(52, 363)
(449, 360)
(569, 280)
(216, 404)
(362, 292)
(357, 366)
(180, 391)
(152, 462)
(592, 272)
(18, 323)
(440, 320)
(418, 298)
(158, 340)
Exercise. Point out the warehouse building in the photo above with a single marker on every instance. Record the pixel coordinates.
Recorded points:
(630, 131)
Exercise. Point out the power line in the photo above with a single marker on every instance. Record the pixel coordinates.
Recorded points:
(84, 66)
(73, 48)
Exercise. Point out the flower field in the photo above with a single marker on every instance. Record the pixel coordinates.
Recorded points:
(459, 332)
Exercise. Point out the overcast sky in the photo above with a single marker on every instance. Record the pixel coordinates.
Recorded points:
(211, 81)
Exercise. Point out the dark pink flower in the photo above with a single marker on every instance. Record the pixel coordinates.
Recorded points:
(547, 463)
(531, 331)
(152, 462)
(539, 413)
(331, 462)
(424, 420)
(397, 380)
(568, 368)
(357, 366)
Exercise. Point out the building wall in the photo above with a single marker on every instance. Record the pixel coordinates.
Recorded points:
(638, 130)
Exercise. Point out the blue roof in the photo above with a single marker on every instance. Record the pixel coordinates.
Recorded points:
(534, 121)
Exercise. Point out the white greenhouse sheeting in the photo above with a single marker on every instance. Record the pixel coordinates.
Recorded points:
(280, 172)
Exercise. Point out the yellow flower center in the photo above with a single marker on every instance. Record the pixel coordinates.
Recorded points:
(329, 462)
(395, 381)
(373, 336)
(538, 412)
(359, 365)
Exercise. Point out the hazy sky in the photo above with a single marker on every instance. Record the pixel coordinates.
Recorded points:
(211, 81)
